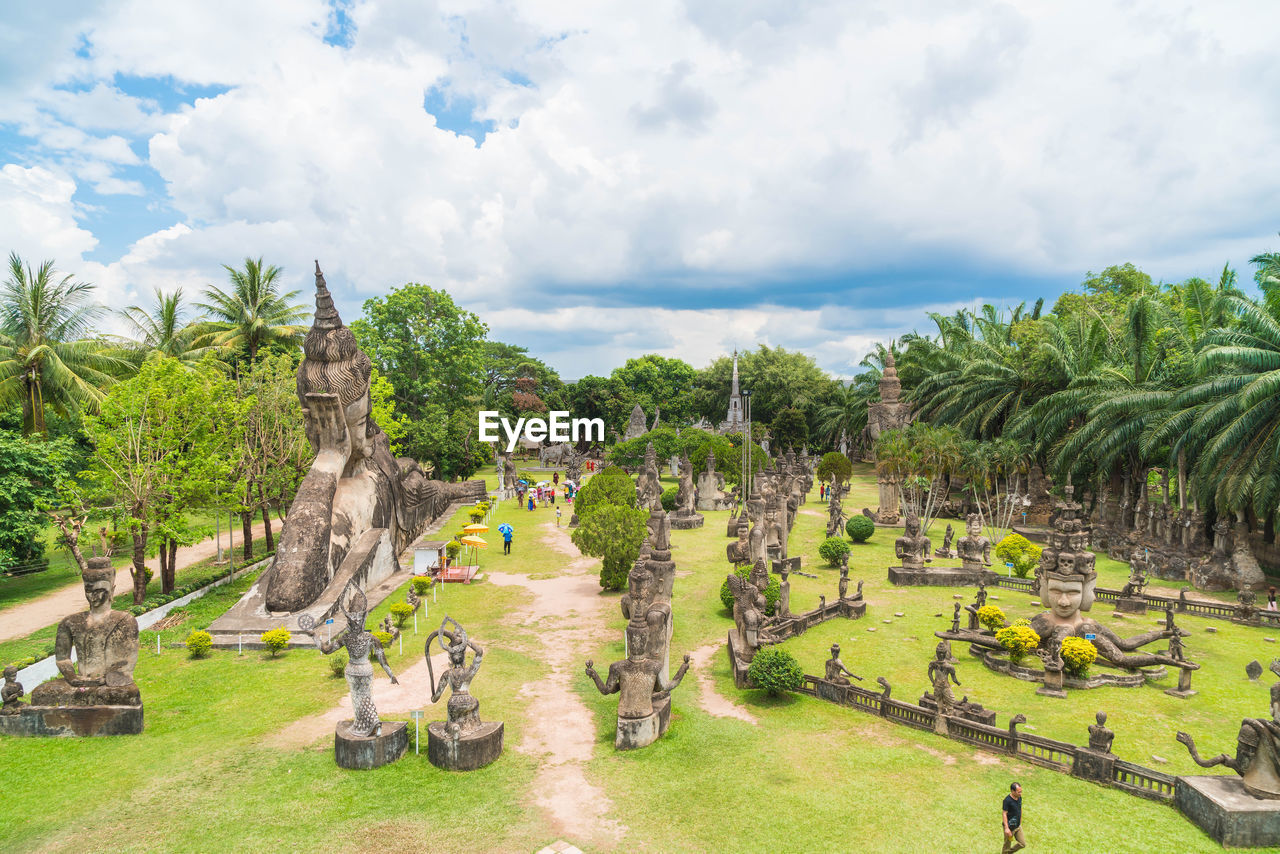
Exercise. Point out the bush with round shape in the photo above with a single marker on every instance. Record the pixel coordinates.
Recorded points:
(384, 639)
(991, 617)
(669, 496)
(610, 486)
(776, 671)
(401, 611)
(834, 467)
(451, 550)
(421, 584)
(613, 533)
(199, 642)
(834, 550)
(1077, 655)
(275, 640)
(475, 514)
(337, 663)
(1019, 640)
(859, 528)
(771, 593)
(1022, 553)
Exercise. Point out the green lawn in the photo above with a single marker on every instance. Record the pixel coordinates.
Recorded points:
(206, 775)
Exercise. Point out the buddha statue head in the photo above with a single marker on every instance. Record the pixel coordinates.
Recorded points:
(1068, 587)
(99, 583)
(637, 638)
(973, 525)
(912, 526)
(334, 364)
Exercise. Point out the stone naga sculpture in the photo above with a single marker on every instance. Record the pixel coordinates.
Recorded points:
(359, 671)
(356, 493)
(1257, 758)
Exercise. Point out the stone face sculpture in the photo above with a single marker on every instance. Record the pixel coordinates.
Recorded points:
(12, 692)
(637, 679)
(360, 742)
(463, 742)
(1257, 758)
(836, 671)
(358, 506)
(912, 548)
(106, 649)
(974, 548)
(648, 487)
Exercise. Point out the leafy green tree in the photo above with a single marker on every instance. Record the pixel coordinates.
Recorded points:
(164, 442)
(253, 314)
(790, 430)
(45, 357)
(512, 377)
(777, 378)
(834, 467)
(610, 486)
(166, 329)
(30, 473)
(657, 381)
(613, 533)
(606, 398)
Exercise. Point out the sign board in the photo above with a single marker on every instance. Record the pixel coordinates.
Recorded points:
(329, 622)
(417, 714)
(1090, 636)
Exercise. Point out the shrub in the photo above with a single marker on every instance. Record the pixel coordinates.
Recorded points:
(401, 611)
(610, 486)
(1019, 551)
(1077, 655)
(669, 498)
(834, 467)
(833, 550)
(383, 638)
(859, 528)
(771, 593)
(422, 584)
(776, 671)
(338, 663)
(613, 533)
(276, 640)
(991, 617)
(199, 643)
(451, 549)
(1019, 640)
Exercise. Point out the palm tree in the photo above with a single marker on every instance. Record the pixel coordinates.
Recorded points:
(45, 358)
(165, 330)
(253, 314)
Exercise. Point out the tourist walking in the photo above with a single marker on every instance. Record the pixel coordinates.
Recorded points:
(1271, 599)
(555, 478)
(531, 504)
(553, 496)
(507, 531)
(557, 517)
(1011, 812)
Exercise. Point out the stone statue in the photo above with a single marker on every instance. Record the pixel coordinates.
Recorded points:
(686, 515)
(941, 673)
(1257, 758)
(1100, 737)
(748, 615)
(12, 692)
(955, 619)
(836, 671)
(648, 487)
(358, 643)
(636, 679)
(463, 742)
(844, 581)
(783, 609)
(858, 594)
(710, 492)
(912, 548)
(508, 475)
(974, 548)
(945, 549)
(979, 600)
(835, 513)
(739, 551)
(106, 649)
(358, 506)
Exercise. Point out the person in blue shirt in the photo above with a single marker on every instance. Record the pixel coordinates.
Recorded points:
(506, 540)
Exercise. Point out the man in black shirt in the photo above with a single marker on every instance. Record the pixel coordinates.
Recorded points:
(1011, 812)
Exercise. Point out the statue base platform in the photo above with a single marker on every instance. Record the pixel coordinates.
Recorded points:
(1224, 809)
(686, 523)
(731, 527)
(939, 576)
(634, 733)
(1000, 663)
(362, 752)
(1095, 765)
(1056, 693)
(72, 721)
(740, 678)
(1131, 605)
(467, 753)
(1184, 690)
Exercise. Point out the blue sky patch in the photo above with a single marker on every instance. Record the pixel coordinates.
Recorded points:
(456, 113)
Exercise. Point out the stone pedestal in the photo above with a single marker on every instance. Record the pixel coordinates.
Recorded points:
(853, 609)
(1184, 690)
(937, 576)
(369, 751)
(790, 564)
(685, 523)
(1222, 808)
(641, 732)
(72, 721)
(1052, 686)
(466, 753)
(1131, 605)
(1093, 765)
(731, 527)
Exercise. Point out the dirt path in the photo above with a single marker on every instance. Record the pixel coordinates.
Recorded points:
(569, 616)
(22, 620)
(711, 702)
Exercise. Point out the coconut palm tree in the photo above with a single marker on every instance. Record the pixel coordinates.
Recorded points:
(165, 329)
(253, 313)
(45, 357)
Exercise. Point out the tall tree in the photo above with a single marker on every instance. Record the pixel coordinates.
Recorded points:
(45, 357)
(660, 382)
(167, 329)
(253, 313)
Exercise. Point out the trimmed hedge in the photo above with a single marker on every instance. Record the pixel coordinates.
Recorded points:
(859, 528)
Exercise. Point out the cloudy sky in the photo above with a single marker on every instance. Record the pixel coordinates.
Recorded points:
(600, 179)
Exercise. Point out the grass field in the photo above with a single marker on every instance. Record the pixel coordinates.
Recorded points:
(208, 773)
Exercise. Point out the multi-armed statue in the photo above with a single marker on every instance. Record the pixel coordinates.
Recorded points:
(463, 742)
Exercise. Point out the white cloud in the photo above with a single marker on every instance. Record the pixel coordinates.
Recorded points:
(703, 142)
(37, 216)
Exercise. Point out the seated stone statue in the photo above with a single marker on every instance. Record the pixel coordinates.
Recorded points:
(1257, 758)
(106, 648)
(912, 548)
(974, 548)
(637, 679)
(836, 671)
(354, 485)
(1100, 736)
(11, 694)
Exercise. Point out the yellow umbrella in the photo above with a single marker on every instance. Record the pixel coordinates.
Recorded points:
(476, 528)
(474, 542)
